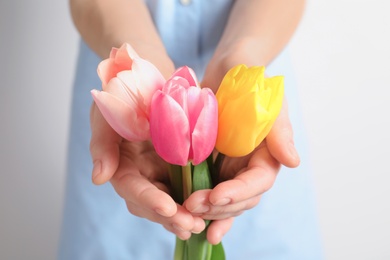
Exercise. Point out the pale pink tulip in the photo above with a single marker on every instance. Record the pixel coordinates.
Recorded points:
(183, 120)
(120, 59)
(126, 97)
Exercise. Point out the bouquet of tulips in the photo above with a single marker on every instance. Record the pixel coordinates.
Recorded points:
(186, 123)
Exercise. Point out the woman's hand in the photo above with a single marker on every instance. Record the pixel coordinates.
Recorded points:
(139, 176)
(243, 180)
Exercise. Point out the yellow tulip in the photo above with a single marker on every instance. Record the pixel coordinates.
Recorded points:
(248, 105)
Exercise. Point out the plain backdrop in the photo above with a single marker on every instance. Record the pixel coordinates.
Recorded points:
(341, 58)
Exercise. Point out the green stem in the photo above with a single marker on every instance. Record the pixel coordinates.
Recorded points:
(187, 180)
(195, 178)
(180, 250)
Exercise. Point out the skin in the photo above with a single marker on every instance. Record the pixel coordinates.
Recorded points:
(256, 32)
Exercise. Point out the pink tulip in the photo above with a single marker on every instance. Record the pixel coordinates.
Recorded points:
(183, 120)
(129, 83)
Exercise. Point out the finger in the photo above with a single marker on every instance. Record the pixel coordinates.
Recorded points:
(136, 189)
(182, 220)
(231, 210)
(218, 229)
(182, 234)
(182, 224)
(198, 227)
(280, 140)
(104, 147)
(259, 177)
(198, 204)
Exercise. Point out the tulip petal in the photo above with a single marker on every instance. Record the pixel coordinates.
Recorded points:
(239, 127)
(248, 106)
(195, 105)
(122, 117)
(205, 130)
(124, 55)
(273, 105)
(171, 143)
(188, 74)
(176, 88)
(106, 70)
(276, 84)
(113, 52)
(148, 79)
(174, 84)
(120, 59)
(240, 79)
(130, 86)
(118, 88)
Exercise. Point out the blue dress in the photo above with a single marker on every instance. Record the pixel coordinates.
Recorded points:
(96, 223)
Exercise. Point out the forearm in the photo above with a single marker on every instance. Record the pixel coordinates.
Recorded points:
(105, 24)
(261, 28)
(256, 32)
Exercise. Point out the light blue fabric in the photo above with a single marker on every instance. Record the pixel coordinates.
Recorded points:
(96, 222)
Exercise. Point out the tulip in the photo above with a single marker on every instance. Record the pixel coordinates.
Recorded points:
(183, 120)
(129, 83)
(248, 105)
(120, 59)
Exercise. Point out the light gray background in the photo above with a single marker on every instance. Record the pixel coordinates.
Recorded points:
(341, 55)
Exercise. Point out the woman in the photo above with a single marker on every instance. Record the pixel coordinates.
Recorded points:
(211, 37)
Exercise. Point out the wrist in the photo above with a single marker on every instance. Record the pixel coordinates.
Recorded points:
(157, 55)
(245, 50)
(229, 54)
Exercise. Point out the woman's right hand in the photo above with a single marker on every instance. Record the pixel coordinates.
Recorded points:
(139, 176)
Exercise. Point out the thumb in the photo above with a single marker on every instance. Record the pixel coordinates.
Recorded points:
(280, 140)
(104, 147)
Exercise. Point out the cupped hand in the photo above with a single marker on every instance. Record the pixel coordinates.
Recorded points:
(243, 180)
(139, 176)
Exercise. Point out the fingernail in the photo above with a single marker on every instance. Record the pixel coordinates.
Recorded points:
(196, 232)
(199, 226)
(222, 202)
(97, 169)
(201, 209)
(177, 227)
(161, 212)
